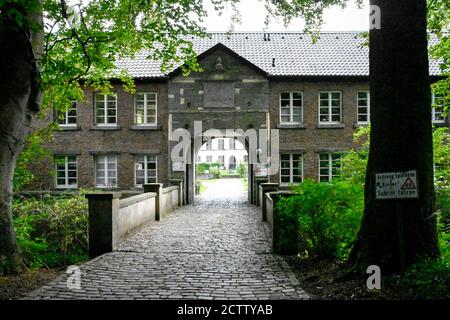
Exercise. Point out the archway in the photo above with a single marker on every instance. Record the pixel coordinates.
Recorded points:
(221, 168)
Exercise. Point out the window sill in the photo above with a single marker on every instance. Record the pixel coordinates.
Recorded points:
(291, 126)
(69, 128)
(360, 125)
(440, 124)
(146, 127)
(105, 128)
(331, 126)
(66, 187)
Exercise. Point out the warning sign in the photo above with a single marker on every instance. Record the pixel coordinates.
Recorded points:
(396, 185)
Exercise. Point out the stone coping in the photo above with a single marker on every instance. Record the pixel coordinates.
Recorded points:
(135, 199)
(169, 189)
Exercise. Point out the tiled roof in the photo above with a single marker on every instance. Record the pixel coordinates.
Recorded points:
(334, 54)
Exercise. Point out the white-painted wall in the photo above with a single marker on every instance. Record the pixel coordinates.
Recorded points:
(238, 152)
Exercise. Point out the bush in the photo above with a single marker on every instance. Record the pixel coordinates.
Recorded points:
(443, 208)
(329, 217)
(215, 171)
(204, 166)
(430, 279)
(242, 170)
(52, 231)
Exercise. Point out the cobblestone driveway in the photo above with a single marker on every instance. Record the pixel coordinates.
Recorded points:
(216, 248)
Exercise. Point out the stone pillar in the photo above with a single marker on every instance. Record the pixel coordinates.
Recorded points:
(179, 184)
(155, 188)
(103, 209)
(258, 181)
(263, 189)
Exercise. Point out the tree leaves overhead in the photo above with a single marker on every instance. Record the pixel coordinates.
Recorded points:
(84, 38)
(439, 24)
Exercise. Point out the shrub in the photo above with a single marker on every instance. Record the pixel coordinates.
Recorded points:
(242, 170)
(215, 171)
(430, 279)
(52, 231)
(329, 217)
(443, 208)
(204, 166)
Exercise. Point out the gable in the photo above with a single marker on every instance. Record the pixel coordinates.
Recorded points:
(221, 63)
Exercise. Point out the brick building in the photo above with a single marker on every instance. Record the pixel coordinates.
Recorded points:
(315, 94)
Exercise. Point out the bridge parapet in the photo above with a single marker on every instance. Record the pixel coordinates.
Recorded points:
(113, 219)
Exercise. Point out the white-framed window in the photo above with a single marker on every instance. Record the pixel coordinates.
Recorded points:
(291, 168)
(68, 118)
(232, 144)
(145, 169)
(246, 158)
(199, 159)
(145, 108)
(291, 107)
(209, 145)
(209, 159)
(329, 166)
(363, 105)
(438, 109)
(106, 171)
(330, 107)
(221, 144)
(66, 171)
(221, 160)
(105, 109)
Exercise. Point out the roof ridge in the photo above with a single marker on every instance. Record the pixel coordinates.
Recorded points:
(283, 32)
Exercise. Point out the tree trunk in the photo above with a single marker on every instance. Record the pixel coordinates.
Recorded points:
(396, 233)
(19, 102)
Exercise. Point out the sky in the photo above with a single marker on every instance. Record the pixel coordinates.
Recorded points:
(253, 14)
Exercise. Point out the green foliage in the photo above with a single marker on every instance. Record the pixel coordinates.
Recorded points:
(52, 231)
(443, 206)
(354, 163)
(441, 143)
(216, 172)
(438, 23)
(32, 248)
(33, 152)
(205, 166)
(329, 216)
(430, 279)
(242, 169)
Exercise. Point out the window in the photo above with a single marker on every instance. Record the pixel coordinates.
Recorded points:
(232, 144)
(106, 171)
(209, 145)
(438, 109)
(66, 171)
(246, 158)
(145, 169)
(329, 166)
(199, 159)
(209, 159)
(145, 108)
(291, 107)
(291, 168)
(105, 110)
(68, 118)
(221, 144)
(330, 107)
(221, 160)
(363, 107)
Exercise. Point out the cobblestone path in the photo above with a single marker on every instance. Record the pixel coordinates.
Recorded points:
(216, 248)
